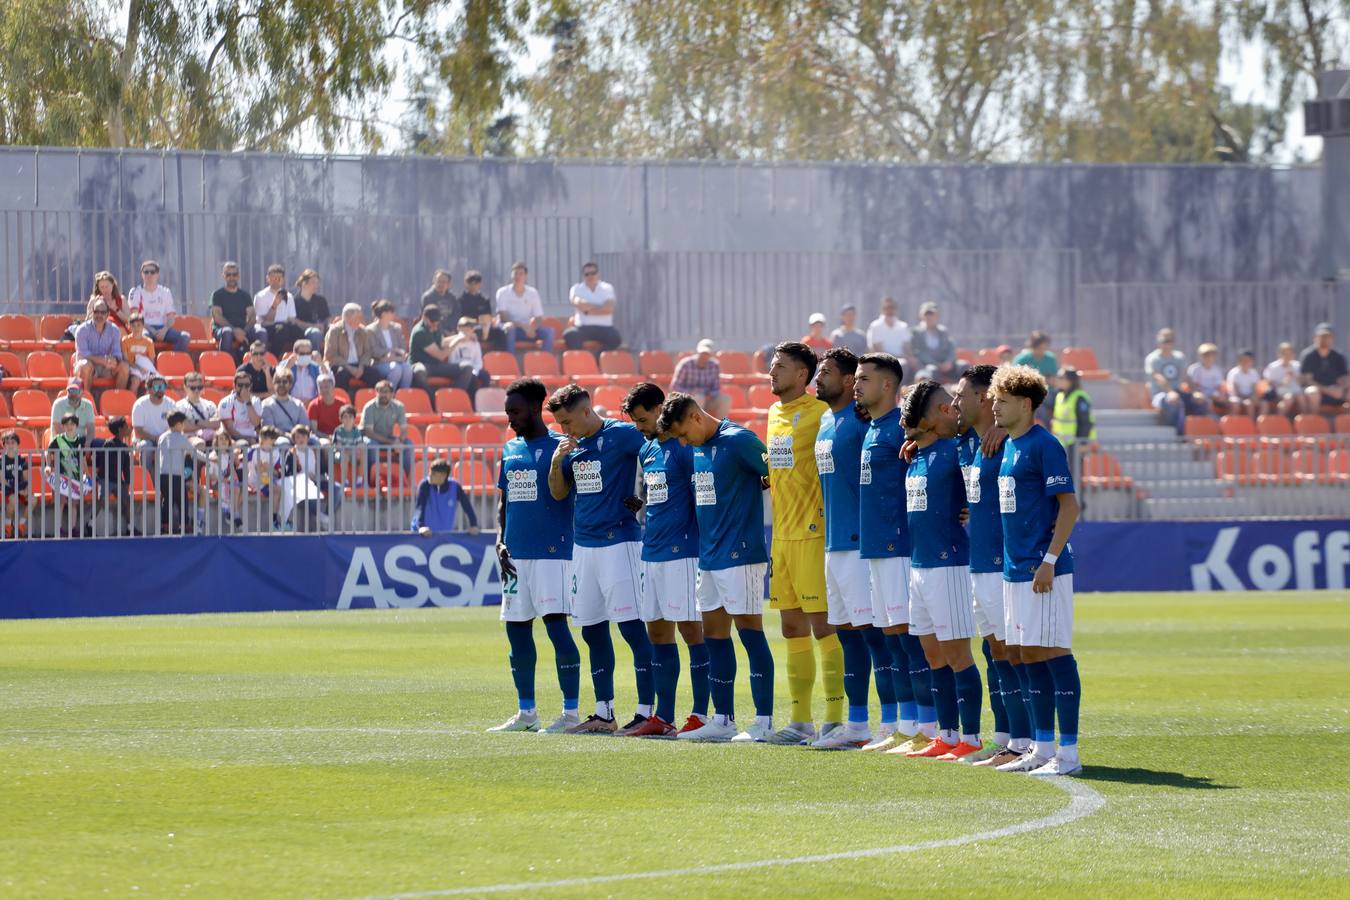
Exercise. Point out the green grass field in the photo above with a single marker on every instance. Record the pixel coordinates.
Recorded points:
(343, 755)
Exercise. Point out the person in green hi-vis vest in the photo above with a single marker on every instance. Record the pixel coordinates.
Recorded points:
(1072, 419)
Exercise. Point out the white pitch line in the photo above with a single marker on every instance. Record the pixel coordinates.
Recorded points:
(1084, 801)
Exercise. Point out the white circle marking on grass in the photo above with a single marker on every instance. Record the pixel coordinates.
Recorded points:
(1083, 801)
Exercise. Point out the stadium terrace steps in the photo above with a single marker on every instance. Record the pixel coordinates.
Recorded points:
(1172, 508)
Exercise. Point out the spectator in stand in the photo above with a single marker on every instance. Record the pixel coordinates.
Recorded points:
(847, 334)
(594, 301)
(439, 294)
(1005, 354)
(466, 358)
(700, 376)
(65, 472)
(154, 301)
(203, 416)
(1038, 355)
(1207, 378)
(107, 291)
(98, 349)
(112, 474)
(282, 411)
(150, 419)
(346, 348)
(1325, 376)
(1284, 393)
(225, 473)
(384, 424)
(241, 412)
(73, 402)
(1173, 397)
(305, 370)
(888, 333)
(815, 334)
(1241, 384)
(438, 497)
(13, 485)
(324, 409)
(274, 307)
(350, 446)
(311, 308)
(264, 471)
(931, 349)
(520, 312)
(177, 465)
(473, 304)
(139, 352)
(259, 369)
(305, 466)
(234, 321)
(388, 348)
(1072, 420)
(426, 351)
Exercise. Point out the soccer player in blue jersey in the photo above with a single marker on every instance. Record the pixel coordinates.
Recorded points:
(848, 587)
(730, 473)
(598, 458)
(941, 611)
(884, 539)
(1039, 508)
(1012, 722)
(669, 565)
(534, 553)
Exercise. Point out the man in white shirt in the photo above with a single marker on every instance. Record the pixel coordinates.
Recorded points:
(520, 312)
(154, 301)
(888, 333)
(150, 419)
(1285, 394)
(203, 420)
(241, 413)
(275, 310)
(594, 301)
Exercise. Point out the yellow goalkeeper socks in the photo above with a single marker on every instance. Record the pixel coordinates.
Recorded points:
(801, 667)
(832, 676)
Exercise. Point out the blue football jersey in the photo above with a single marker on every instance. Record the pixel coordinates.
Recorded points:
(537, 526)
(604, 470)
(1035, 470)
(668, 474)
(935, 494)
(838, 452)
(729, 498)
(986, 523)
(883, 528)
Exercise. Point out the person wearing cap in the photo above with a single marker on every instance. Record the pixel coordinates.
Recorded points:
(274, 307)
(346, 348)
(98, 348)
(1326, 379)
(154, 301)
(700, 376)
(815, 337)
(1207, 378)
(150, 419)
(888, 333)
(931, 349)
(325, 410)
(847, 334)
(1173, 397)
(74, 402)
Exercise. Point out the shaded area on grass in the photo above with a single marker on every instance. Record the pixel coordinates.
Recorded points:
(1132, 775)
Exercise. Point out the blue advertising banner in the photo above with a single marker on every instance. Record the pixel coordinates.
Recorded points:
(41, 579)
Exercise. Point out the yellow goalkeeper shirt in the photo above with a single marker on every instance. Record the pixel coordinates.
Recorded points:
(798, 511)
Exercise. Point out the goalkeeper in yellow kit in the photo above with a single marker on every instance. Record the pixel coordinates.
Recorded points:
(797, 560)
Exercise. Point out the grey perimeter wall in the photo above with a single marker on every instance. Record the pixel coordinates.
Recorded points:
(1095, 254)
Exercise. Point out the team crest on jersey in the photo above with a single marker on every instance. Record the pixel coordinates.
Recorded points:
(931, 457)
(796, 417)
(537, 454)
(600, 445)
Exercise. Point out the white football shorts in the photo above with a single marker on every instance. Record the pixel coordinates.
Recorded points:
(940, 603)
(988, 590)
(848, 588)
(605, 583)
(539, 588)
(739, 590)
(1039, 620)
(666, 590)
(890, 591)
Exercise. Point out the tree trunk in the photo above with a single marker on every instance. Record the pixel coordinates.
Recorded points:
(116, 123)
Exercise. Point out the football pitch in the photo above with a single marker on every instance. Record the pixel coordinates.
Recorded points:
(342, 755)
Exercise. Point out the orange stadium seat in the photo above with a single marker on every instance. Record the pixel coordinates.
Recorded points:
(619, 364)
(1084, 359)
(501, 365)
(19, 333)
(580, 366)
(1273, 426)
(1338, 466)
(363, 396)
(453, 402)
(738, 368)
(52, 328)
(33, 409)
(15, 372)
(1342, 422)
(1237, 427)
(483, 434)
(761, 396)
(657, 365)
(174, 365)
(544, 366)
(1102, 470)
(7, 419)
(1311, 424)
(476, 475)
(610, 396)
(1202, 427)
(417, 406)
(217, 368)
(47, 370)
(198, 332)
(28, 439)
(443, 434)
(115, 402)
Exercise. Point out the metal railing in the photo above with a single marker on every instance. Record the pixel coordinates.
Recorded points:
(110, 492)
(48, 257)
(1250, 477)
